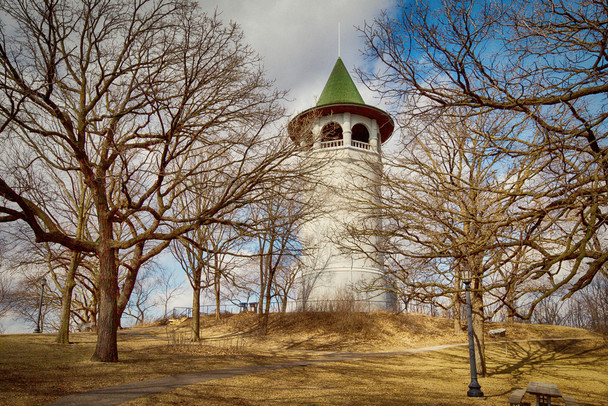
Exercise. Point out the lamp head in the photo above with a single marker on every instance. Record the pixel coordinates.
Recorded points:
(466, 275)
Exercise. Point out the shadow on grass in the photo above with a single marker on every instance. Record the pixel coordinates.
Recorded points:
(531, 357)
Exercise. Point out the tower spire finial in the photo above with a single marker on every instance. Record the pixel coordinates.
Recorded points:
(339, 40)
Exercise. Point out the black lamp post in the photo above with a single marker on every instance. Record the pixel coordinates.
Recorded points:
(474, 386)
(38, 328)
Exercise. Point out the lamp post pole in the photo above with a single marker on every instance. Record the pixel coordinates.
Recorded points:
(38, 328)
(474, 386)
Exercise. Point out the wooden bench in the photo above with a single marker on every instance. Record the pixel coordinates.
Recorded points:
(516, 397)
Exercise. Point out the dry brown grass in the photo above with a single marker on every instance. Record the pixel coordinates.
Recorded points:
(34, 370)
(579, 368)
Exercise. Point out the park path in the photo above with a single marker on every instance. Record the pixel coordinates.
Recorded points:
(115, 395)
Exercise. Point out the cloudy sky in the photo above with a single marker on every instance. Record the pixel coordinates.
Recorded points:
(298, 39)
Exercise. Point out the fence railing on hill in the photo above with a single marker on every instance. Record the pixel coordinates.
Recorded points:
(230, 308)
(291, 306)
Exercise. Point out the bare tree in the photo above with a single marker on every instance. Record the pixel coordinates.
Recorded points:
(141, 300)
(136, 97)
(446, 201)
(67, 269)
(205, 253)
(168, 287)
(285, 280)
(74, 204)
(544, 63)
(26, 300)
(191, 254)
(277, 219)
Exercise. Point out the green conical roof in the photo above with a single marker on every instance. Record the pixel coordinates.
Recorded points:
(340, 88)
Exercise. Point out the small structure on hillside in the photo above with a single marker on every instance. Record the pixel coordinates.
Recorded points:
(344, 137)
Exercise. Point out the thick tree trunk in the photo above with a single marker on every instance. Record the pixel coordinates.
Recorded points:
(107, 326)
(107, 321)
(63, 335)
(196, 313)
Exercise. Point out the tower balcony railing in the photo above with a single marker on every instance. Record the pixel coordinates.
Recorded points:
(361, 145)
(340, 143)
(332, 144)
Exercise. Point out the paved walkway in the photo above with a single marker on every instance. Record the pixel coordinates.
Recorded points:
(115, 395)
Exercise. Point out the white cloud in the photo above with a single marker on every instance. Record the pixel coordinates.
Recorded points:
(298, 39)
(11, 324)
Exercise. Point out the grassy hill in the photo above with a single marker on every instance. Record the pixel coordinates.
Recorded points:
(352, 331)
(34, 370)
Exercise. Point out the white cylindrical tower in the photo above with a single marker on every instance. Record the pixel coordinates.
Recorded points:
(345, 141)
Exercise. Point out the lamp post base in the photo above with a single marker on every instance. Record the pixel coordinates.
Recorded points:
(474, 391)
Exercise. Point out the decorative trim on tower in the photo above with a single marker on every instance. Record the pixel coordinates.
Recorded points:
(340, 95)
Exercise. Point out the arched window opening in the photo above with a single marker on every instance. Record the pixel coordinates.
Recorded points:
(331, 131)
(360, 133)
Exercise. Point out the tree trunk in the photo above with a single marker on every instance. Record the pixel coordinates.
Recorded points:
(263, 281)
(457, 306)
(127, 288)
(266, 293)
(265, 310)
(268, 297)
(217, 291)
(511, 304)
(133, 268)
(478, 327)
(63, 335)
(95, 307)
(107, 348)
(196, 313)
(129, 282)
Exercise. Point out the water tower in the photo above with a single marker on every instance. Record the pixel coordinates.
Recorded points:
(343, 138)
